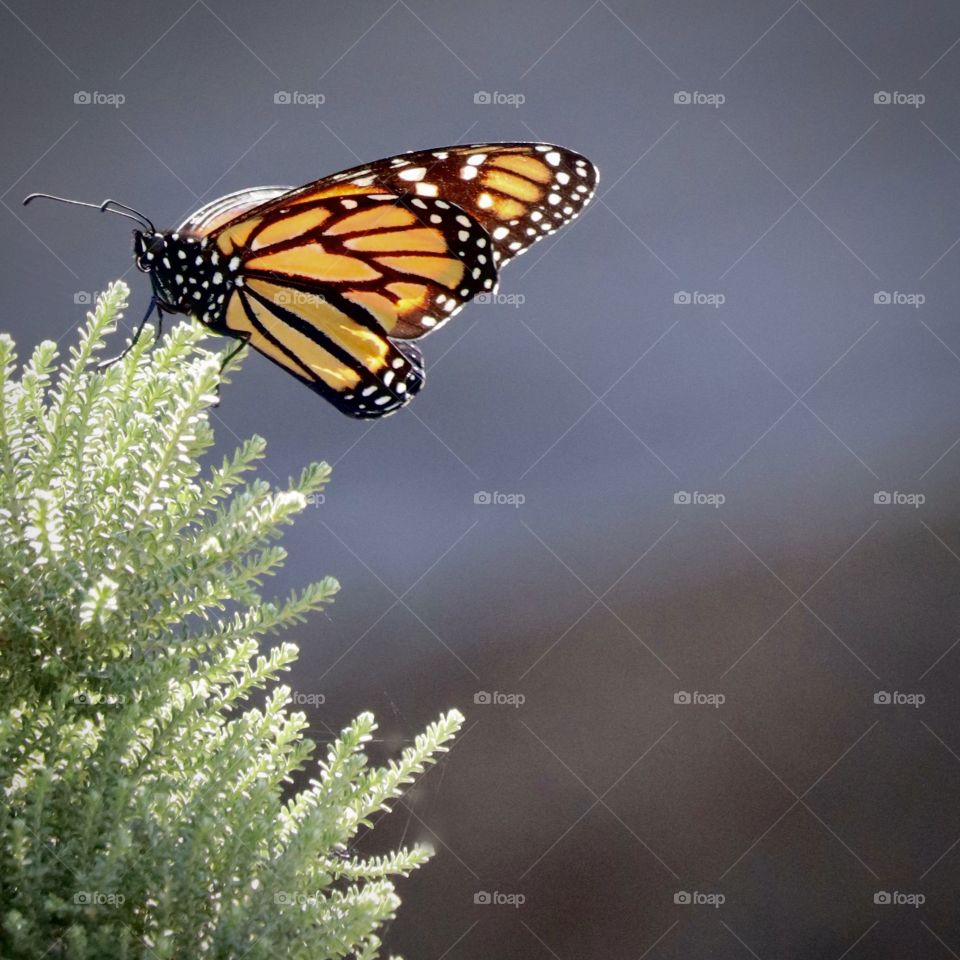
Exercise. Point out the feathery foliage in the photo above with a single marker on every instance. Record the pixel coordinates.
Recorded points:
(146, 811)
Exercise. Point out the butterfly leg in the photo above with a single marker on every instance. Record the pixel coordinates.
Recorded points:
(153, 306)
(244, 339)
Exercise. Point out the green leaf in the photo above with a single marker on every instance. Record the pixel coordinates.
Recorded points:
(147, 749)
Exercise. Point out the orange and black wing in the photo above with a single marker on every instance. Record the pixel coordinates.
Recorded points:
(518, 192)
(323, 287)
(329, 275)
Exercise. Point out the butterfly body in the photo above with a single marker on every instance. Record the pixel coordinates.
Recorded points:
(187, 275)
(331, 281)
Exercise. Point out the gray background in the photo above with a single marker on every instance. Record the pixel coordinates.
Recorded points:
(598, 399)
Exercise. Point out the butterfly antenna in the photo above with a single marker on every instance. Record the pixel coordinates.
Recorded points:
(108, 206)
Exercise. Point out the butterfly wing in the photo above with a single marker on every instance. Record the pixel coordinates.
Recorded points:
(324, 286)
(518, 192)
(361, 372)
(224, 209)
(329, 275)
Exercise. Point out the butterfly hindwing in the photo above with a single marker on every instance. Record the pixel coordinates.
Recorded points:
(218, 212)
(357, 369)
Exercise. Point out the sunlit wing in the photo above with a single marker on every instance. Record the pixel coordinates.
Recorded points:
(330, 348)
(407, 263)
(327, 276)
(519, 192)
(325, 285)
(224, 209)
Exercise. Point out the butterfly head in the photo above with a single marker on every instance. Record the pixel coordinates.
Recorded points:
(147, 249)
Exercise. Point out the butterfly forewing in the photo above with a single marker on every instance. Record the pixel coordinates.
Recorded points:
(519, 192)
(325, 285)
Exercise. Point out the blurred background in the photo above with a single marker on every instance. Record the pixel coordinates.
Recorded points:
(675, 520)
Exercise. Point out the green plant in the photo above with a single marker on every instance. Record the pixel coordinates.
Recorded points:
(146, 810)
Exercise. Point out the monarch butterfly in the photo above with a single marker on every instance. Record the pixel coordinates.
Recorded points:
(333, 280)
